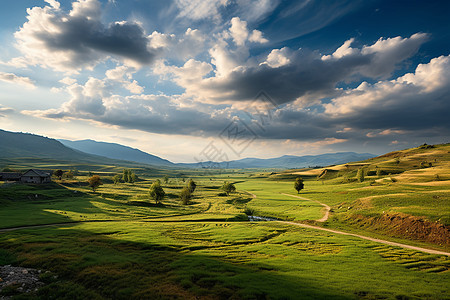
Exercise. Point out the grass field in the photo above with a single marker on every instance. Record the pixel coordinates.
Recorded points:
(122, 245)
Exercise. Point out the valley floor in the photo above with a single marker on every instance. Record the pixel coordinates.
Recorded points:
(116, 243)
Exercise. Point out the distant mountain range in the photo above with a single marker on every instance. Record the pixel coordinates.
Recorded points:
(16, 145)
(289, 161)
(116, 151)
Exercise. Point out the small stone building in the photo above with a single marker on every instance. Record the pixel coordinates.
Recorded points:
(10, 176)
(35, 176)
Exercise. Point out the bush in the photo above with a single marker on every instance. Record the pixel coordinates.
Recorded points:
(425, 146)
(185, 195)
(228, 187)
(249, 211)
(191, 185)
(298, 184)
(360, 175)
(94, 182)
(157, 192)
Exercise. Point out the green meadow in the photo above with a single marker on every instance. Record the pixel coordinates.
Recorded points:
(117, 243)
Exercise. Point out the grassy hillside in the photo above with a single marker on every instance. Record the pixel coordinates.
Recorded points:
(24, 150)
(404, 193)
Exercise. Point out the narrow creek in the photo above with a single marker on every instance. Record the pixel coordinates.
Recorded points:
(257, 219)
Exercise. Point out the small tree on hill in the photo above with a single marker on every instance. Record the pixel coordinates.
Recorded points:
(116, 178)
(157, 192)
(378, 172)
(228, 188)
(69, 174)
(185, 196)
(298, 184)
(191, 185)
(133, 177)
(125, 175)
(360, 175)
(166, 179)
(94, 182)
(59, 173)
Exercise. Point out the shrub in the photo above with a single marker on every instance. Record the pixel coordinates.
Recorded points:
(157, 192)
(228, 187)
(360, 175)
(191, 185)
(94, 182)
(249, 211)
(298, 185)
(185, 196)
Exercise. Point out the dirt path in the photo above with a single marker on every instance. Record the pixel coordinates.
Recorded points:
(325, 217)
(326, 207)
(369, 238)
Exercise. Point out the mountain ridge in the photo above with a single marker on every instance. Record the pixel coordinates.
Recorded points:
(116, 151)
(18, 144)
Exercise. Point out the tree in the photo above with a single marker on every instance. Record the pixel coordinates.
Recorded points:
(378, 172)
(59, 173)
(191, 185)
(125, 176)
(94, 182)
(298, 185)
(228, 187)
(133, 177)
(360, 175)
(116, 178)
(166, 179)
(185, 195)
(157, 192)
(69, 174)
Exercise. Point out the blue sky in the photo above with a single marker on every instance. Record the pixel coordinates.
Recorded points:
(245, 78)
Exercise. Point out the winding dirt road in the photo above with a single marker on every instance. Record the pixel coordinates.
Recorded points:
(325, 217)
(368, 238)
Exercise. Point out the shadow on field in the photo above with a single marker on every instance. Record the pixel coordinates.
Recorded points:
(95, 265)
(51, 203)
(145, 204)
(309, 193)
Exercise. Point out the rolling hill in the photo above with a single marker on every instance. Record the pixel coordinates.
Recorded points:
(116, 151)
(25, 149)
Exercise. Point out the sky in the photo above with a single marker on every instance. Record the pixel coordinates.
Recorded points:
(198, 80)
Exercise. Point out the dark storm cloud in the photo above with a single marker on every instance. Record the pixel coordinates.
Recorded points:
(84, 36)
(287, 75)
(76, 39)
(306, 74)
